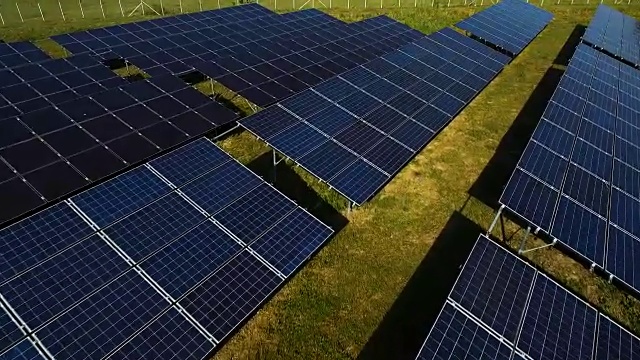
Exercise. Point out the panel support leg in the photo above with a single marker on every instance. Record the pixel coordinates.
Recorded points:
(350, 206)
(524, 240)
(275, 165)
(495, 220)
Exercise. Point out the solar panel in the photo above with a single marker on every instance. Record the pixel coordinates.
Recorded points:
(356, 140)
(167, 28)
(615, 342)
(24, 350)
(134, 256)
(90, 138)
(575, 180)
(280, 63)
(457, 336)
(614, 33)
(20, 53)
(510, 310)
(510, 25)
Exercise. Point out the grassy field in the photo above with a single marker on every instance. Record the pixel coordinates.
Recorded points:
(376, 288)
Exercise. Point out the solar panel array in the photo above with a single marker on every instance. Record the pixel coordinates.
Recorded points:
(20, 53)
(39, 85)
(258, 35)
(357, 130)
(615, 33)
(269, 73)
(502, 308)
(510, 24)
(163, 261)
(578, 178)
(51, 152)
(196, 25)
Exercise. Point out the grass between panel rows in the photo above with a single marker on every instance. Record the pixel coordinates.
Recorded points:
(375, 289)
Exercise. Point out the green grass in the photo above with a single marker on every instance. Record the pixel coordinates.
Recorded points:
(376, 287)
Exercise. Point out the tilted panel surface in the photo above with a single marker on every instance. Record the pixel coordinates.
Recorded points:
(57, 150)
(357, 130)
(151, 257)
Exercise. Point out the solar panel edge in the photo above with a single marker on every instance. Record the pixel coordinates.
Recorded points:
(15, 319)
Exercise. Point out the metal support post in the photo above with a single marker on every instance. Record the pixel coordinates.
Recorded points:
(81, 10)
(495, 220)
(41, 13)
(19, 13)
(524, 240)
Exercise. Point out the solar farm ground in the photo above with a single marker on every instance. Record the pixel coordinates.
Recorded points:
(375, 290)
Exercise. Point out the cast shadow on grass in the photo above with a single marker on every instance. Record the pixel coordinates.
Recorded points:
(494, 177)
(570, 45)
(406, 325)
(296, 188)
(489, 185)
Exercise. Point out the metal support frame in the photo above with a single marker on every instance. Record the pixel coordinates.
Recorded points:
(495, 220)
(351, 206)
(141, 6)
(275, 164)
(524, 240)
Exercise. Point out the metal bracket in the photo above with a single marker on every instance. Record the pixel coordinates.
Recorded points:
(524, 240)
(495, 220)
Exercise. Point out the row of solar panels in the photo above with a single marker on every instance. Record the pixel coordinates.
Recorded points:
(578, 179)
(101, 132)
(503, 308)
(171, 256)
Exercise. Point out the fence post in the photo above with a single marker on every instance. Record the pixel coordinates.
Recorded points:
(121, 10)
(61, 12)
(180, 6)
(19, 13)
(1, 18)
(81, 9)
(102, 10)
(41, 14)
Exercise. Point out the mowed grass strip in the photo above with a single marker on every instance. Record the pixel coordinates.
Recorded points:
(375, 289)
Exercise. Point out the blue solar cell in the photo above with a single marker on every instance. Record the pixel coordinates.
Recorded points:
(625, 212)
(569, 101)
(596, 136)
(305, 104)
(370, 180)
(359, 137)
(225, 299)
(269, 122)
(412, 135)
(255, 212)
(118, 309)
(9, 331)
(615, 342)
(543, 164)
(530, 198)
(388, 155)
(297, 140)
(359, 103)
(622, 252)
(569, 324)
(456, 336)
(292, 241)
(626, 178)
(554, 137)
(24, 350)
(335, 89)
(192, 257)
(432, 118)
(217, 189)
(592, 159)
(48, 289)
(26, 243)
(494, 286)
(327, 160)
(189, 162)
(587, 190)
(627, 152)
(331, 120)
(154, 226)
(382, 90)
(385, 119)
(360, 77)
(562, 117)
(171, 336)
(580, 229)
(121, 196)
